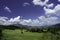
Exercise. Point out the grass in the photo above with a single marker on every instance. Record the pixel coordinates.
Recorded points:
(16, 35)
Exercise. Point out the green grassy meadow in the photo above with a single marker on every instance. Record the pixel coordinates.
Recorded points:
(16, 35)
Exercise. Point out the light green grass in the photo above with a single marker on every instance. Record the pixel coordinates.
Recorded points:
(16, 35)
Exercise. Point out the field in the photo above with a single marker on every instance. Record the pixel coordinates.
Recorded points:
(16, 35)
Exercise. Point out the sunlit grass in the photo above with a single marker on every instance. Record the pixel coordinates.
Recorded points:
(16, 35)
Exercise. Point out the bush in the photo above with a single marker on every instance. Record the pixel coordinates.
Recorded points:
(34, 30)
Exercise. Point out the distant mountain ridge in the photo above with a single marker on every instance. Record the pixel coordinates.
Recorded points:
(56, 25)
(25, 26)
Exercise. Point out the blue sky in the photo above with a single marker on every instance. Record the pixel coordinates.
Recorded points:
(18, 9)
(30, 12)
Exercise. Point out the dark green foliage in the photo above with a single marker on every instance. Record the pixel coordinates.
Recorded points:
(0, 34)
(33, 29)
(12, 27)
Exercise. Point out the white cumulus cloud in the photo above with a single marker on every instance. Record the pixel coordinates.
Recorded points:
(7, 9)
(40, 2)
(40, 21)
(49, 5)
(55, 11)
(43, 3)
(58, 0)
(26, 4)
(48, 20)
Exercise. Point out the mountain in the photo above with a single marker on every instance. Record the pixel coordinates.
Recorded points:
(8, 27)
(18, 26)
(55, 26)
